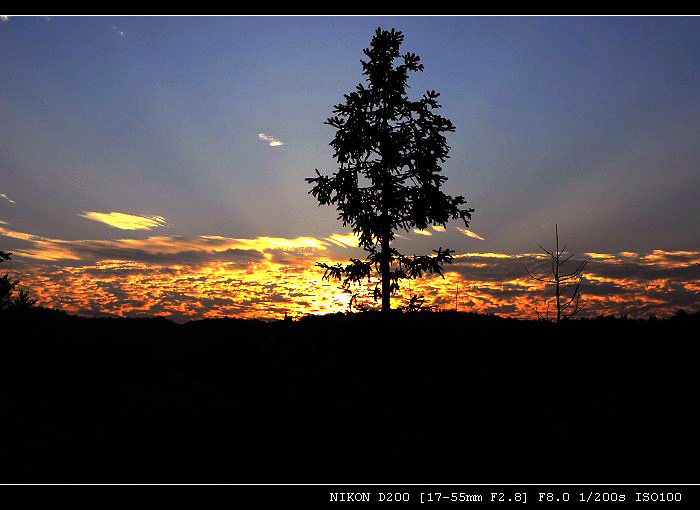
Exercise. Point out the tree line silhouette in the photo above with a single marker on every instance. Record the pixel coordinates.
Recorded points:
(347, 398)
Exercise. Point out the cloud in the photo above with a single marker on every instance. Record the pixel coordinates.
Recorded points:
(2, 195)
(422, 232)
(438, 228)
(125, 221)
(469, 233)
(217, 276)
(163, 250)
(119, 32)
(273, 142)
(658, 282)
(348, 240)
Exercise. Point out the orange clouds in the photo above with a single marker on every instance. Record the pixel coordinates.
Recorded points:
(258, 289)
(469, 233)
(214, 276)
(165, 250)
(288, 282)
(347, 241)
(125, 221)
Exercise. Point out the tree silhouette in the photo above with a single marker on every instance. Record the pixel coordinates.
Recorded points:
(562, 281)
(7, 286)
(389, 150)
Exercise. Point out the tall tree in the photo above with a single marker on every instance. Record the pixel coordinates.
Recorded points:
(389, 149)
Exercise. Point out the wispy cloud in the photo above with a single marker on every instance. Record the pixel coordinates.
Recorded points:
(422, 232)
(348, 240)
(272, 141)
(162, 250)
(469, 233)
(125, 221)
(2, 195)
(118, 31)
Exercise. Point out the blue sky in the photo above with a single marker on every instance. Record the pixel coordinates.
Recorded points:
(591, 123)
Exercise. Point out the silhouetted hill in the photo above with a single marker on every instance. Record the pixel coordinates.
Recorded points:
(449, 398)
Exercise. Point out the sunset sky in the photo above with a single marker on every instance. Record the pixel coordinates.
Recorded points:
(156, 165)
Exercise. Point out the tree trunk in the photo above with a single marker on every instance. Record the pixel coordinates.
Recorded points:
(385, 267)
(385, 264)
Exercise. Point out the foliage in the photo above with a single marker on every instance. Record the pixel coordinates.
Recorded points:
(21, 301)
(390, 150)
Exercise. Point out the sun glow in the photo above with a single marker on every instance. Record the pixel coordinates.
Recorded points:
(291, 284)
(267, 277)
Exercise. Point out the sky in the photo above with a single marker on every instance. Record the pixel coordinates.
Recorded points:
(147, 161)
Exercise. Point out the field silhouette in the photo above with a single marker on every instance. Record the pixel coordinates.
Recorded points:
(430, 397)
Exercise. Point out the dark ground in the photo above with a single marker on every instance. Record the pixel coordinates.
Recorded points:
(422, 398)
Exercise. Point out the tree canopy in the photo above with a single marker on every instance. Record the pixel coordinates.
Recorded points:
(390, 150)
